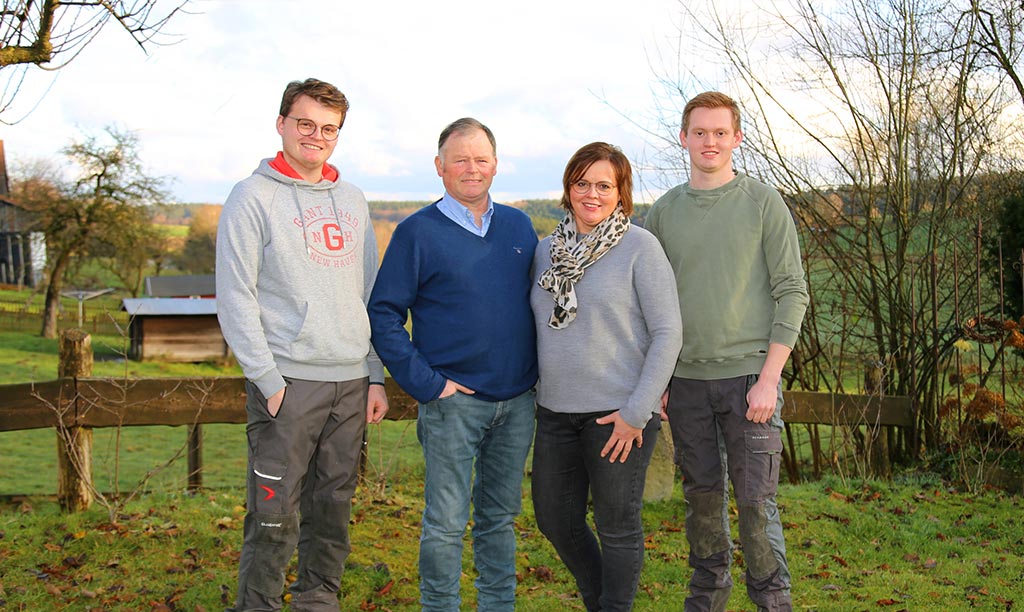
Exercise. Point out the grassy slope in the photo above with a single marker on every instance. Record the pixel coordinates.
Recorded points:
(910, 547)
(26, 357)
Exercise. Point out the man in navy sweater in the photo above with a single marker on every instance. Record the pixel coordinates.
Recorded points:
(461, 267)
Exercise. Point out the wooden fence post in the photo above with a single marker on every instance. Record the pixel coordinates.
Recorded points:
(74, 443)
(195, 458)
(877, 436)
(661, 472)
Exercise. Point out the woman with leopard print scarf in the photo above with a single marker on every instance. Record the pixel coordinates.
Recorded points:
(608, 334)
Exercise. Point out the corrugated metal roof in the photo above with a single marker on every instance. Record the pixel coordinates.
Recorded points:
(181, 286)
(169, 306)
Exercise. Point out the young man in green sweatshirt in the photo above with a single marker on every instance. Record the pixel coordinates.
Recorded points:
(733, 246)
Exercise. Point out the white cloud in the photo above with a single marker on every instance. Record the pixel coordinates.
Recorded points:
(537, 72)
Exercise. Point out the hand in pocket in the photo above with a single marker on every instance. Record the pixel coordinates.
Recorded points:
(274, 402)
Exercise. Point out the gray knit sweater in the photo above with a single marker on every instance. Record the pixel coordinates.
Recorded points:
(619, 352)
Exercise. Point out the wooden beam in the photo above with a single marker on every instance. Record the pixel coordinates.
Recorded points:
(33, 405)
(195, 458)
(106, 402)
(400, 405)
(838, 409)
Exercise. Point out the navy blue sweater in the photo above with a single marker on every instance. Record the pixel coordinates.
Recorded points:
(469, 300)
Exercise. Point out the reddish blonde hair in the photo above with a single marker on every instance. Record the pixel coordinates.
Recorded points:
(712, 99)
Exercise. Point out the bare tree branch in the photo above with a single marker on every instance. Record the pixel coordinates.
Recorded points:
(881, 121)
(49, 34)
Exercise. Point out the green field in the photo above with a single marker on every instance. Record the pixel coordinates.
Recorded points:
(917, 543)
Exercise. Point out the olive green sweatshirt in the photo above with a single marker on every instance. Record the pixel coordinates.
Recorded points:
(736, 258)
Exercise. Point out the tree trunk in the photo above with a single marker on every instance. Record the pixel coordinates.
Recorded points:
(51, 307)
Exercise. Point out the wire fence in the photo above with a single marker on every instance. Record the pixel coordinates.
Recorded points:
(17, 316)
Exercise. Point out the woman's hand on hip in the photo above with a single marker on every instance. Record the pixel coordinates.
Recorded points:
(620, 443)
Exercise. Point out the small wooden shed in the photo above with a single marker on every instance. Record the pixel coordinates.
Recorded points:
(174, 329)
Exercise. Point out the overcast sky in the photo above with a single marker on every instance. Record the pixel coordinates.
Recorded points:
(547, 76)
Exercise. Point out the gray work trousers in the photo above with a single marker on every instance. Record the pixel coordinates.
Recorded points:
(302, 472)
(715, 444)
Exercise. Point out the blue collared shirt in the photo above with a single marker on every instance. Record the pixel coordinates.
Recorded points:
(451, 208)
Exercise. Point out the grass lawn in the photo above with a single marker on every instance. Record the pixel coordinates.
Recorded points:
(916, 544)
(27, 357)
(391, 446)
(912, 546)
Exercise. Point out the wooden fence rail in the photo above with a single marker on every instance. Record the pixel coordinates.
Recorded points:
(74, 403)
(112, 402)
(115, 402)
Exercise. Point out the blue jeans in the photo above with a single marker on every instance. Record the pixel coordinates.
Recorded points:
(460, 433)
(567, 466)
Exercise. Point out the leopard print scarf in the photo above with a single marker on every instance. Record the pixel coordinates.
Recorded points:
(571, 253)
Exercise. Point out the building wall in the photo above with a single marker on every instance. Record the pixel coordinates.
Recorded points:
(22, 258)
(177, 338)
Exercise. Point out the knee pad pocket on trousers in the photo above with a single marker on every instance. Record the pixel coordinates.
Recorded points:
(677, 453)
(763, 449)
(757, 548)
(704, 525)
(274, 542)
(329, 524)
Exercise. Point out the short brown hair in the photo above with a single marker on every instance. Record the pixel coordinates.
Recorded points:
(584, 158)
(712, 99)
(466, 124)
(321, 91)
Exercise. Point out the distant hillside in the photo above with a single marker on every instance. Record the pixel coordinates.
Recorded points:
(545, 213)
(393, 211)
(178, 214)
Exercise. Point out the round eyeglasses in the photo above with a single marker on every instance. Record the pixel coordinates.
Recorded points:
(307, 127)
(583, 187)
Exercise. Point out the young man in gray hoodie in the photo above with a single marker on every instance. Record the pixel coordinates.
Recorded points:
(296, 261)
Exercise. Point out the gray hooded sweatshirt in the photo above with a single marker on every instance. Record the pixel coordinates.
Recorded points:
(296, 262)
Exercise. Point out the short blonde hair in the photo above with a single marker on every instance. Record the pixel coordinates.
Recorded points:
(712, 99)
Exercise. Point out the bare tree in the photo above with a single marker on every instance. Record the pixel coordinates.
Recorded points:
(881, 123)
(1000, 36)
(96, 210)
(130, 252)
(49, 34)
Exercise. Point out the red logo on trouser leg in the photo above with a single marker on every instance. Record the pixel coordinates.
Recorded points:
(270, 492)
